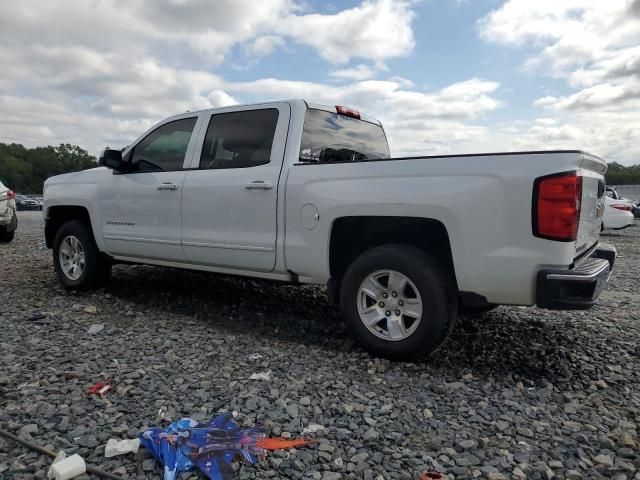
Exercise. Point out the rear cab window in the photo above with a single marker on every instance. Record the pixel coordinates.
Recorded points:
(333, 137)
(239, 139)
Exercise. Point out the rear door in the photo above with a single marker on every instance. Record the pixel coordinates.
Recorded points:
(229, 198)
(141, 209)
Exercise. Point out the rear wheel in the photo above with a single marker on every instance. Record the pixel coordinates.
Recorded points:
(398, 302)
(76, 258)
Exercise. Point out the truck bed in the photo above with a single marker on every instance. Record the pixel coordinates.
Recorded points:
(484, 201)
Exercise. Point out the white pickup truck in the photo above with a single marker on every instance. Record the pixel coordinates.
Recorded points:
(305, 193)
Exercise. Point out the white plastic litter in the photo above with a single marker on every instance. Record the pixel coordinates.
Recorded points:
(261, 376)
(68, 467)
(95, 328)
(119, 447)
(60, 456)
(254, 356)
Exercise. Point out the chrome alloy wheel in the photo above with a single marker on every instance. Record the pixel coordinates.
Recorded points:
(71, 257)
(389, 305)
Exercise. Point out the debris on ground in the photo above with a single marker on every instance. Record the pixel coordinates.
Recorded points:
(254, 356)
(432, 476)
(90, 309)
(119, 447)
(67, 468)
(100, 389)
(211, 447)
(60, 456)
(261, 376)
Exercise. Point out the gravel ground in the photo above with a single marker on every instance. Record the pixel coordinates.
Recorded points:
(518, 393)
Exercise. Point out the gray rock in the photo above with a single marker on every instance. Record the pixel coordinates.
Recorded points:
(89, 441)
(28, 430)
(331, 476)
(371, 434)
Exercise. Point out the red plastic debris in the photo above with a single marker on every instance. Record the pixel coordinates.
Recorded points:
(99, 388)
(432, 476)
(278, 443)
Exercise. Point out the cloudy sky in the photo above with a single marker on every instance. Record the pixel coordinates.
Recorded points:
(445, 76)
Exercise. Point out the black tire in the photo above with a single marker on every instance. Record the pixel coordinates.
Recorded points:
(434, 284)
(6, 236)
(97, 266)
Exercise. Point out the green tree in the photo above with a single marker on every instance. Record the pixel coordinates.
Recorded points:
(25, 169)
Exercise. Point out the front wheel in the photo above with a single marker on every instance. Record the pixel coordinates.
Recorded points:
(76, 258)
(398, 302)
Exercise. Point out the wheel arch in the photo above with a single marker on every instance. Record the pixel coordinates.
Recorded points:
(353, 235)
(58, 215)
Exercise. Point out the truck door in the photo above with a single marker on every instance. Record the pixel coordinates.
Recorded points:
(141, 209)
(229, 197)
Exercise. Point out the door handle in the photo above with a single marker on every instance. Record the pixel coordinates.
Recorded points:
(259, 185)
(167, 186)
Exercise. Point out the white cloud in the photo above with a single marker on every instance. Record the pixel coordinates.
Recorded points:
(595, 46)
(264, 45)
(375, 29)
(584, 41)
(359, 72)
(100, 73)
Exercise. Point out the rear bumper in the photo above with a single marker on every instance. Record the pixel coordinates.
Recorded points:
(577, 288)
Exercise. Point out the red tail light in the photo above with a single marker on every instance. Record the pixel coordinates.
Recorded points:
(556, 206)
(349, 112)
(622, 206)
(10, 195)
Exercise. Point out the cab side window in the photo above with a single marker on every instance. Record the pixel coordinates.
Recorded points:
(164, 148)
(239, 139)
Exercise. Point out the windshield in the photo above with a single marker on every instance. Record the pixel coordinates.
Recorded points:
(329, 137)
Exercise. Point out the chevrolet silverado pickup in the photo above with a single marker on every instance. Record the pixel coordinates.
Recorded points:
(307, 193)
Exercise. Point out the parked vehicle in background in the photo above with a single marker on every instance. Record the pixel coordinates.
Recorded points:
(23, 202)
(8, 218)
(635, 208)
(617, 214)
(38, 199)
(611, 192)
(307, 193)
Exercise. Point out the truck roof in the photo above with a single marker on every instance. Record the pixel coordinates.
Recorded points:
(309, 104)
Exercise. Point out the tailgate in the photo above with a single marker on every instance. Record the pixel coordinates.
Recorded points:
(592, 170)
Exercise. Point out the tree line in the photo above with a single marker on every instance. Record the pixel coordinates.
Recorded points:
(25, 169)
(620, 175)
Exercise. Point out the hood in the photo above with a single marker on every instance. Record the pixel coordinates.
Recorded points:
(75, 177)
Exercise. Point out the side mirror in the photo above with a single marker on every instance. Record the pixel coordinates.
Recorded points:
(112, 159)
